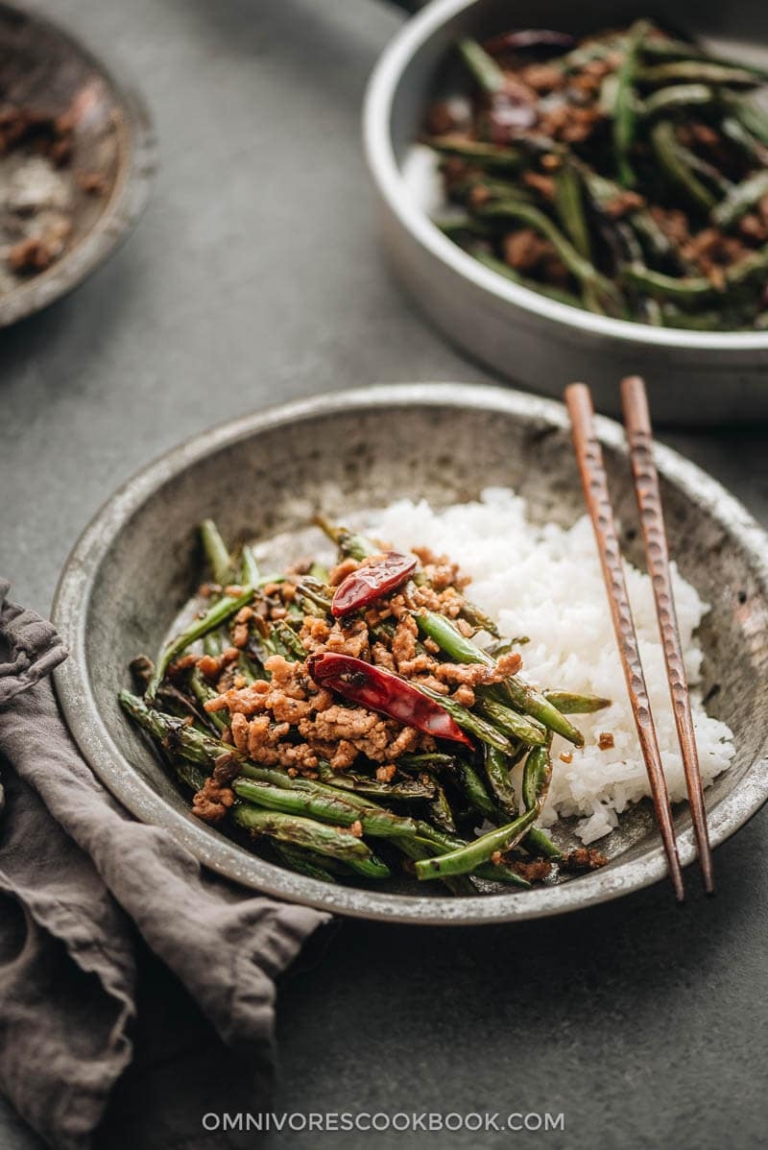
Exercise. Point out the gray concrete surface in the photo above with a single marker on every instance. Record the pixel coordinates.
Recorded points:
(254, 277)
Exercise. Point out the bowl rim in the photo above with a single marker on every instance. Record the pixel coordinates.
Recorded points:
(137, 148)
(72, 683)
(377, 140)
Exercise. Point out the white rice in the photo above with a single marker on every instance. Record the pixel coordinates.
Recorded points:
(546, 583)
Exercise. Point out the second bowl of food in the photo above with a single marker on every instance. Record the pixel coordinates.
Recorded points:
(586, 200)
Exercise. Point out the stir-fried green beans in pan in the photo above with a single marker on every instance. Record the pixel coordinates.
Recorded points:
(626, 173)
(359, 721)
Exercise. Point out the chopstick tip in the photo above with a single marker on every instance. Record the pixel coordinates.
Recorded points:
(634, 400)
(576, 391)
(676, 874)
(633, 383)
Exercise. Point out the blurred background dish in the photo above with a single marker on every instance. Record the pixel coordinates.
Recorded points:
(76, 156)
(694, 377)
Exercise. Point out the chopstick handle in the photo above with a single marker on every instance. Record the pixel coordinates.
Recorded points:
(637, 421)
(595, 483)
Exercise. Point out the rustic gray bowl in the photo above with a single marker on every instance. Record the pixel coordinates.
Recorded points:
(265, 474)
(693, 377)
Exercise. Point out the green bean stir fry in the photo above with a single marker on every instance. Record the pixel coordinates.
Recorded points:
(360, 721)
(625, 173)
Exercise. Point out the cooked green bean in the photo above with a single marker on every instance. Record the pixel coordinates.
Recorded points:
(740, 200)
(336, 810)
(440, 809)
(536, 776)
(216, 553)
(665, 100)
(428, 759)
(664, 287)
(314, 836)
(478, 618)
(502, 269)
(350, 543)
(203, 692)
(539, 843)
(581, 268)
(674, 162)
(474, 790)
(493, 872)
(749, 146)
(251, 573)
(569, 205)
(750, 116)
(625, 105)
(463, 650)
(752, 269)
(224, 609)
(483, 67)
(697, 72)
(303, 861)
(468, 720)
(466, 859)
(497, 770)
(290, 640)
(512, 723)
(406, 789)
(676, 50)
(569, 703)
(570, 208)
(492, 156)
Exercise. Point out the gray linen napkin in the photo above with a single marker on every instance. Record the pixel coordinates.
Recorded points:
(69, 854)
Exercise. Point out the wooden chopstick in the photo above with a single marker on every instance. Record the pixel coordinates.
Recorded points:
(637, 422)
(594, 480)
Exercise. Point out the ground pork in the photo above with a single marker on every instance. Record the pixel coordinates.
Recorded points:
(583, 858)
(535, 871)
(349, 639)
(212, 802)
(339, 573)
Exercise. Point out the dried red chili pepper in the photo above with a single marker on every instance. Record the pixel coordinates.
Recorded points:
(381, 691)
(372, 581)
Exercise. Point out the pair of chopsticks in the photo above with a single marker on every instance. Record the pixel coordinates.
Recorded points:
(646, 481)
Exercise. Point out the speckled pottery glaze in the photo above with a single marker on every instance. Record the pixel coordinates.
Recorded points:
(262, 476)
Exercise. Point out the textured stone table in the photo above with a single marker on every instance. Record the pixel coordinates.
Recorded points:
(255, 276)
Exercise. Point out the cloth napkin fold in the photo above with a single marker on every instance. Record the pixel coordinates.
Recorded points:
(78, 877)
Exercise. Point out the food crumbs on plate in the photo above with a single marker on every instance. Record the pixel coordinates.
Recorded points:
(386, 774)
(535, 871)
(92, 183)
(583, 858)
(605, 741)
(356, 829)
(566, 757)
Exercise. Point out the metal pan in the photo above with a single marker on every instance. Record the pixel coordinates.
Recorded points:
(263, 476)
(693, 377)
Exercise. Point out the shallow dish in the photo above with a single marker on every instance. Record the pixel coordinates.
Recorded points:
(44, 68)
(264, 475)
(693, 377)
